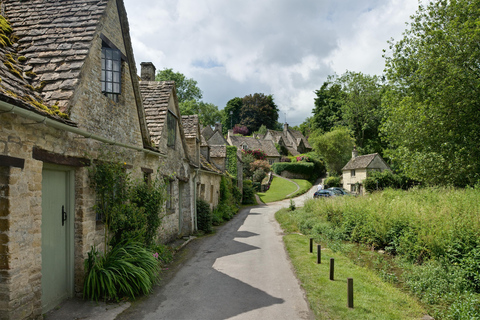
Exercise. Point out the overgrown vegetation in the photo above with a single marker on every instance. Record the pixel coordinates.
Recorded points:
(308, 165)
(131, 213)
(431, 238)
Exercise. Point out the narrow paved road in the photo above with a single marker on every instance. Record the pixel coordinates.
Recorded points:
(241, 272)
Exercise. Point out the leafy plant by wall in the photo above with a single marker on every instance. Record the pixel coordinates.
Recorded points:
(248, 192)
(332, 181)
(232, 160)
(387, 179)
(204, 216)
(313, 169)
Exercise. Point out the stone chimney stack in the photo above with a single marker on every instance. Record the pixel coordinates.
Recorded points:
(285, 127)
(147, 72)
(218, 127)
(354, 152)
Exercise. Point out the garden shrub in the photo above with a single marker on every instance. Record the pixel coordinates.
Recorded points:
(313, 168)
(387, 179)
(333, 181)
(260, 164)
(258, 175)
(204, 216)
(248, 192)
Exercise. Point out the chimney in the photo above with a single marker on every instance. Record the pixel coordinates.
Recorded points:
(230, 133)
(354, 152)
(147, 72)
(285, 127)
(218, 127)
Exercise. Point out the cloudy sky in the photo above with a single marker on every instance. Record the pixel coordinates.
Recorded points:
(286, 48)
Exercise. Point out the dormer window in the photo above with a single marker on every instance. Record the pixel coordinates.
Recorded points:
(171, 129)
(111, 71)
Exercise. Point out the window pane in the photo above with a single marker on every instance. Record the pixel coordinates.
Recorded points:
(109, 75)
(108, 54)
(116, 65)
(103, 75)
(109, 87)
(116, 55)
(116, 88)
(103, 53)
(116, 77)
(109, 65)
(103, 86)
(103, 62)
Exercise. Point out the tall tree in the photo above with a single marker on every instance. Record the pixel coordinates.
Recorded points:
(258, 109)
(335, 147)
(187, 88)
(231, 114)
(433, 118)
(327, 111)
(208, 113)
(352, 100)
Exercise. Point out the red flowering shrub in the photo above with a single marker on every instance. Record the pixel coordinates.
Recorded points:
(260, 164)
(257, 154)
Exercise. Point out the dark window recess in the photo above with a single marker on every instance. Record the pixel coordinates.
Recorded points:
(111, 72)
(171, 127)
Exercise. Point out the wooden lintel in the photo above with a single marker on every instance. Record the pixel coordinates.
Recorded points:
(55, 158)
(7, 161)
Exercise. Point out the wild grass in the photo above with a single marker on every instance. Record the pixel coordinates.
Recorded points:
(433, 235)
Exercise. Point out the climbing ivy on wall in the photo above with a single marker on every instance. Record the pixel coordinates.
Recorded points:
(232, 160)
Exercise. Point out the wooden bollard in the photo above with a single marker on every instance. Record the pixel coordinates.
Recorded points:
(350, 292)
(311, 245)
(319, 254)
(332, 268)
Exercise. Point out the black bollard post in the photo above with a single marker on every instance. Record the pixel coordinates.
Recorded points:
(311, 245)
(332, 267)
(319, 254)
(350, 292)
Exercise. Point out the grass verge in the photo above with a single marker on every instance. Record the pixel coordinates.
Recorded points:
(373, 298)
(279, 189)
(305, 185)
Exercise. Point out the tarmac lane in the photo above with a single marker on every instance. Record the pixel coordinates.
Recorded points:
(240, 272)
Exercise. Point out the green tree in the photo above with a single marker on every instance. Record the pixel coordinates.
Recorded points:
(327, 111)
(335, 147)
(352, 100)
(187, 88)
(231, 114)
(258, 109)
(433, 118)
(208, 113)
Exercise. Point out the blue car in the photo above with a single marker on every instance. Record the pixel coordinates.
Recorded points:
(324, 194)
(339, 191)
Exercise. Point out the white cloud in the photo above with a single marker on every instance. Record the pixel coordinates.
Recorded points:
(282, 47)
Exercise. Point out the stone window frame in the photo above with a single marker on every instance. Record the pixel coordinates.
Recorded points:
(111, 74)
(352, 172)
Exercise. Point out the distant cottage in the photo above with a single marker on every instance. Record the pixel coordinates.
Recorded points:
(358, 169)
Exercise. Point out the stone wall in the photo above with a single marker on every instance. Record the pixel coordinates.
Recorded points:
(209, 187)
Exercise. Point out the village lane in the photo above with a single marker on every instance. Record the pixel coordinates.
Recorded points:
(240, 272)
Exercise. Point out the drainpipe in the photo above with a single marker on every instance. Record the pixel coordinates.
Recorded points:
(9, 108)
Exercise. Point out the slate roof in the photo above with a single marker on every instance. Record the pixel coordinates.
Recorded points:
(51, 41)
(218, 151)
(190, 125)
(299, 136)
(155, 95)
(207, 132)
(360, 162)
(208, 166)
(266, 146)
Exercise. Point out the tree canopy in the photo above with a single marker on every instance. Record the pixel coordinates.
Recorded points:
(189, 95)
(252, 111)
(187, 88)
(432, 106)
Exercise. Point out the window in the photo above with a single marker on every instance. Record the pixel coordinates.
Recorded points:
(111, 72)
(172, 129)
(352, 173)
(169, 187)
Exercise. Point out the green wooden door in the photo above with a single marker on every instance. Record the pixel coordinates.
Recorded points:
(57, 237)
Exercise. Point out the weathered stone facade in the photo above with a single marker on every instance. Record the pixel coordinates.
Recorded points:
(33, 140)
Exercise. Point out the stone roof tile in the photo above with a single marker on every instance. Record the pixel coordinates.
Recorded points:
(360, 162)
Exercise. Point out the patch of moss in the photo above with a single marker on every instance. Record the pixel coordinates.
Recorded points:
(30, 74)
(5, 32)
(10, 58)
(28, 86)
(22, 59)
(12, 69)
(40, 87)
(54, 110)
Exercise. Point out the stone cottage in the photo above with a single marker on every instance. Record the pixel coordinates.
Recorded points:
(358, 168)
(165, 127)
(251, 143)
(69, 89)
(207, 175)
(292, 140)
